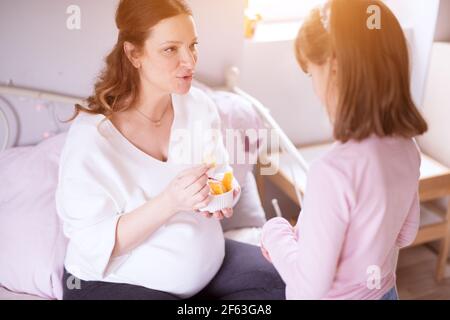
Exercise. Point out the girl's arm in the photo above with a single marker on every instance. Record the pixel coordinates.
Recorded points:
(308, 265)
(410, 227)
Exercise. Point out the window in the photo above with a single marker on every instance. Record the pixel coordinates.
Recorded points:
(271, 20)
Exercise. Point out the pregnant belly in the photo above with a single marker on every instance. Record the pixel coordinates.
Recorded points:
(180, 258)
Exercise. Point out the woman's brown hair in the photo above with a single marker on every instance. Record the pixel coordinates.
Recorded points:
(117, 86)
(373, 69)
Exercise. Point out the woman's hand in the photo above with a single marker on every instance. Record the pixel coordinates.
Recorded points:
(189, 190)
(225, 213)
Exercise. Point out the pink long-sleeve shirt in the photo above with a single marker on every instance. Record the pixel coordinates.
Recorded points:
(361, 205)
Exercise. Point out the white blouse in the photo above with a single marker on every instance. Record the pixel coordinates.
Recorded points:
(103, 176)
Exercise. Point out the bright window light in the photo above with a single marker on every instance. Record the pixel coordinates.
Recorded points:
(276, 20)
(281, 10)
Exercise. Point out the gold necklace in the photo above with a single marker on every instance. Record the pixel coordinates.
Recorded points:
(156, 123)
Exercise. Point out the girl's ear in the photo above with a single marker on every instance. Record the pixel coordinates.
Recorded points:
(130, 51)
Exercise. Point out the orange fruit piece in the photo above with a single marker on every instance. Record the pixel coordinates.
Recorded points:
(227, 181)
(216, 187)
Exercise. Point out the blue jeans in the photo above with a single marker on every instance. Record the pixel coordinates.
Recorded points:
(390, 295)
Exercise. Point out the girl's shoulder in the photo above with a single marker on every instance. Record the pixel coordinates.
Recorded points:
(331, 164)
(347, 157)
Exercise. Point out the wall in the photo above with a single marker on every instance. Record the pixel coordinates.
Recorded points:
(271, 73)
(443, 24)
(38, 50)
(220, 26)
(436, 142)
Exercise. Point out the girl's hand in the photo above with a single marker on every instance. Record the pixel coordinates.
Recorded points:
(264, 251)
(225, 213)
(189, 190)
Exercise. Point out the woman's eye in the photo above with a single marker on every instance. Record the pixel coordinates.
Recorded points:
(170, 50)
(194, 45)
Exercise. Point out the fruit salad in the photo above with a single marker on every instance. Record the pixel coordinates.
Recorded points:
(225, 185)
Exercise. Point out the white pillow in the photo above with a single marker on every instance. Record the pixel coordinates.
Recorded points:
(248, 212)
(238, 114)
(32, 244)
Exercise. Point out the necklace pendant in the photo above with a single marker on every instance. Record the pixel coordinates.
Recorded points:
(157, 123)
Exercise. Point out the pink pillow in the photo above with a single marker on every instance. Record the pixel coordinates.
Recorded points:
(238, 115)
(32, 244)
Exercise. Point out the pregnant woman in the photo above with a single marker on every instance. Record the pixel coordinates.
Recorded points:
(131, 178)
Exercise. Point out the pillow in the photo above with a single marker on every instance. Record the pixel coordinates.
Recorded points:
(248, 212)
(239, 118)
(238, 115)
(32, 244)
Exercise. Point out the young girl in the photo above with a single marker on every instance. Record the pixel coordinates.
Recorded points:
(361, 202)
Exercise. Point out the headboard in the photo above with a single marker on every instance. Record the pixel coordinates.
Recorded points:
(28, 116)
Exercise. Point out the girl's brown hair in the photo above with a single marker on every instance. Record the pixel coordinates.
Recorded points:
(117, 86)
(373, 76)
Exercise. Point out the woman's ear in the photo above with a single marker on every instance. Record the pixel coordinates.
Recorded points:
(131, 53)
